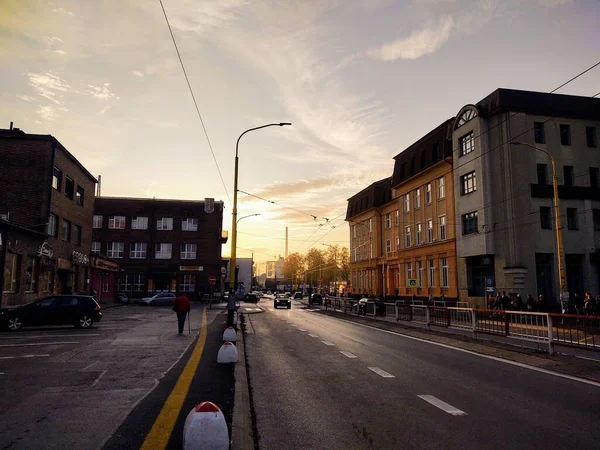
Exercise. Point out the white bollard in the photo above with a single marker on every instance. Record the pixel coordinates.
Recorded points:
(205, 428)
(227, 354)
(230, 334)
(235, 318)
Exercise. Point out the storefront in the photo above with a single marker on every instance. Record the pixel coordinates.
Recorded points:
(103, 278)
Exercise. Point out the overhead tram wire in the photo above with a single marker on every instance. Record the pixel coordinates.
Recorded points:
(282, 206)
(194, 99)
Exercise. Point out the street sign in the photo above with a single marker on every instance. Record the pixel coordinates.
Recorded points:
(412, 282)
(212, 279)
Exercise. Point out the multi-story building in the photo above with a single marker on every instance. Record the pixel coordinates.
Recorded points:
(161, 245)
(505, 229)
(44, 188)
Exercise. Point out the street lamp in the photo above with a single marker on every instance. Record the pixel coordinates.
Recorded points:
(249, 215)
(559, 242)
(232, 280)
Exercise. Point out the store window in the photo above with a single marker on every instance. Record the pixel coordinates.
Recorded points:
(31, 275)
(12, 268)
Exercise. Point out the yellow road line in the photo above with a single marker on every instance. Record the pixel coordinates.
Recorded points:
(161, 431)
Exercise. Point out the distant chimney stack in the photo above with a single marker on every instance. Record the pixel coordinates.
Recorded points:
(11, 126)
(99, 185)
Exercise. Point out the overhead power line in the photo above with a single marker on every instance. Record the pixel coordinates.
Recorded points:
(194, 99)
(279, 204)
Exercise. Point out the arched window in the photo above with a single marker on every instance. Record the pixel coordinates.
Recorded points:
(467, 116)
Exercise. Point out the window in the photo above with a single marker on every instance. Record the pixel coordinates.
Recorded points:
(469, 222)
(66, 230)
(568, 175)
(188, 251)
(590, 136)
(545, 218)
(115, 250)
(594, 177)
(428, 193)
(52, 229)
(12, 269)
(96, 247)
(388, 246)
(572, 216)
(420, 274)
(97, 223)
(596, 218)
(466, 144)
(116, 222)
(407, 240)
(429, 231)
(542, 174)
(409, 273)
(139, 223)
(139, 283)
(370, 225)
(565, 134)
(442, 228)
(468, 183)
(397, 218)
(354, 231)
(79, 196)
(31, 275)
(402, 170)
(430, 273)
(423, 159)
(137, 250)
(164, 223)
(419, 234)
(69, 188)
(397, 242)
(444, 275)
(388, 220)
(413, 160)
(188, 283)
(77, 234)
(163, 251)
(417, 198)
(441, 188)
(189, 224)
(57, 179)
(407, 203)
(539, 132)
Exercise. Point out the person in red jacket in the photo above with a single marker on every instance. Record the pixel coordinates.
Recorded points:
(182, 307)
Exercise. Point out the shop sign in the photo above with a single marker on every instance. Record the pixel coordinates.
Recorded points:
(191, 268)
(80, 258)
(45, 250)
(100, 263)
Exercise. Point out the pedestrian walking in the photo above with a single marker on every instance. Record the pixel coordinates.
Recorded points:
(182, 307)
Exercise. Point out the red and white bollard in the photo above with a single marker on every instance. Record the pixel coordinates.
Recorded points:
(227, 353)
(230, 334)
(205, 428)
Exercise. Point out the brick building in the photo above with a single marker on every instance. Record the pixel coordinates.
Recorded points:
(160, 245)
(45, 189)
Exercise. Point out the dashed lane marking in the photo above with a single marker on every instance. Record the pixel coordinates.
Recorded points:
(348, 354)
(327, 343)
(301, 329)
(313, 335)
(381, 372)
(442, 405)
(39, 343)
(41, 336)
(23, 356)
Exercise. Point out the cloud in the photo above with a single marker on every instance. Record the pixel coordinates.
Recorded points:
(63, 11)
(553, 3)
(49, 85)
(137, 73)
(106, 108)
(49, 113)
(60, 52)
(101, 92)
(419, 43)
(191, 15)
(26, 98)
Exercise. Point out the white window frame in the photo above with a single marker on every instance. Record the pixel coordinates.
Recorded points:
(431, 273)
(444, 273)
(441, 182)
(388, 245)
(188, 251)
(428, 193)
(466, 144)
(96, 247)
(139, 223)
(419, 274)
(116, 222)
(189, 224)
(188, 283)
(407, 237)
(388, 220)
(429, 231)
(407, 203)
(52, 228)
(164, 224)
(468, 183)
(419, 230)
(114, 250)
(408, 273)
(97, 222)
(138, 284)
(163, 250)
(417, 198)
(397, 218)
(443, 228)
(397, 243)
(138, 253)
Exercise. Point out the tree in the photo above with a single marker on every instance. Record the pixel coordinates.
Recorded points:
(314, 263)
(344, 264)
(293, 267)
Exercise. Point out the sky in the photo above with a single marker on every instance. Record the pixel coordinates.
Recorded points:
(360, 80)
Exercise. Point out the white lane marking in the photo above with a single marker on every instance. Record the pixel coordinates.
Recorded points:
(40, 337)
(1, 373)
(442, 405)
(92, 364)
(327, 343)
(493, 358)
(348, 354)
(382, 373)
(98, 379)
(24, 356)
(313, 335)
(270, 309)
(301, 329)
(39, 343)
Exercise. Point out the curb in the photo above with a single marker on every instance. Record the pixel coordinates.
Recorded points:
(242, 436)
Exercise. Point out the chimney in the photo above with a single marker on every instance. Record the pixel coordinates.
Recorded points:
(99, 186)
(11, 126)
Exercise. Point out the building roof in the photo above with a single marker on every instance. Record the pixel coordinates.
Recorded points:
(373, 196)
(17, 133)
(539, 103)
(151, 199)
(432, 148)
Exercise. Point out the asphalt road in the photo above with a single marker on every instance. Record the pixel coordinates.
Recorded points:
(390, 392)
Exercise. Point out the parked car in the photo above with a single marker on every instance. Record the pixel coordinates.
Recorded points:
(258, 294)
(282, 300)
(251, 297)
(298, 296)
(288, 294)
(122, 297)
(163, 298)
(315, 299)
(81, 311)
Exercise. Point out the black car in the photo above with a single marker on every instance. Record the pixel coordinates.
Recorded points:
(251, 298)
(315, 299)
(282, 300)
(78, 310)
(298, 295)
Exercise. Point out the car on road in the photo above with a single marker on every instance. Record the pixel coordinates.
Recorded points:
(81, 311)
(282, 300)
(257, 293)
(251, 297)
(122, 298)
(288, 294)
(162, 298)
(315, 299)
(298, 296)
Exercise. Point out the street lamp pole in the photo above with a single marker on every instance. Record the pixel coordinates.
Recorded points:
(233, 261)
(562, 279)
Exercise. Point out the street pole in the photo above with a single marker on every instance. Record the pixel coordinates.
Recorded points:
(562, 279)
